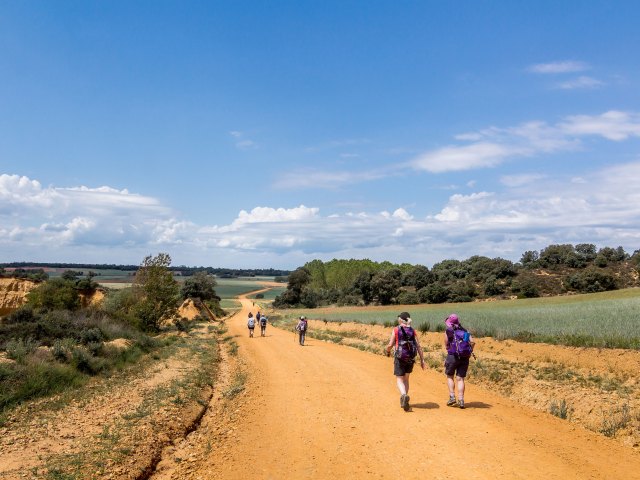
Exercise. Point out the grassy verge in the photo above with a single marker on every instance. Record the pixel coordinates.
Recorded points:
(602, 320)
(161, 411)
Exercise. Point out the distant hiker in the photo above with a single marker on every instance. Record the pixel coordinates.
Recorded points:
(301, 328)
(251, 323)
(258, 316)
(406, 344)
(263, 325)
(459, 346)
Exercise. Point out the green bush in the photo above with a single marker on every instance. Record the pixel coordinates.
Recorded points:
(19, 349)
(408, 298)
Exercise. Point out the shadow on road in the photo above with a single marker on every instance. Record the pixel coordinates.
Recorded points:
(477, 405)
(426, 405)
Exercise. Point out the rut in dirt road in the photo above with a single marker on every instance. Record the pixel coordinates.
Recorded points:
(327, 411)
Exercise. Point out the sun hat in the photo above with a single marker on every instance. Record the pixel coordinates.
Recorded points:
(405, 317)
(302, 317)
(452, 320)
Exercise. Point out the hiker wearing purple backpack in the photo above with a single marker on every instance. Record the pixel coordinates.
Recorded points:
(301, 328)
(406, 344)
(459, 346)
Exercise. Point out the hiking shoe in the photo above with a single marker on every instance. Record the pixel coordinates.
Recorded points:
(461, 404)
(406, 403)
(402, 400)
(451, 402)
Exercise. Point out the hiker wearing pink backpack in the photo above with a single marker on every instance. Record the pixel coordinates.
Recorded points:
(459, 346)
(406, 344)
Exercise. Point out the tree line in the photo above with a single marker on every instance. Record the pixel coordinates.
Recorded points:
(25, 269)
(554, 270)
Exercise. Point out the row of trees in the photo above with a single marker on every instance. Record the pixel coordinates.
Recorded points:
(25, 268)
(352, 282)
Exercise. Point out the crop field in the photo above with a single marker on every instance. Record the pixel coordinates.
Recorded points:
(608, 319)
(229, 288)
(270, 294)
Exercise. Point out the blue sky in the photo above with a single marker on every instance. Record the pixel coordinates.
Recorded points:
(267, 134)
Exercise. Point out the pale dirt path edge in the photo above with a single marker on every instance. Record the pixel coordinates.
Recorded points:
(323, 411)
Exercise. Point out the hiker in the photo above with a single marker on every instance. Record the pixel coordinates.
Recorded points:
(406, 344)
(459, 346)
(251, 323)
(301, 328)
(263, 326)
(258, 317)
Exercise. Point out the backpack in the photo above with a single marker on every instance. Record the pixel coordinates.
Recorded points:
(263, 321)
(459, 343)
(251, 323)
(302, 326)
(406, 348)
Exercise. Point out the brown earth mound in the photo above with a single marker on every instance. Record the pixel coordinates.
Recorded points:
(13, 294)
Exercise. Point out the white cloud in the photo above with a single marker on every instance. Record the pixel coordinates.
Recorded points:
(520, 179)
(612, 125)
(582, 82)
(241, 140)
(465, 157)
(109, 225)
(566, 66)
(493, 146)
(311, 178)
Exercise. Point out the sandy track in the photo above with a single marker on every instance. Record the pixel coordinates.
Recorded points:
(326, 411)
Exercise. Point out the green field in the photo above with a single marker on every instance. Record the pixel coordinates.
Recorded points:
(608, 319)
(270, 294)
(230, 287)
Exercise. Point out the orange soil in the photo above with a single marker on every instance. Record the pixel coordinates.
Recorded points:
(326, 411)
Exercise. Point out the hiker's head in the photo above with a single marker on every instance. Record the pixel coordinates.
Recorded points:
(302, 317)
(404, 318)
(250, 314)
(452, 320)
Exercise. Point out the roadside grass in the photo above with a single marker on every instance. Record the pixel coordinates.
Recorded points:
(237, 385)
(560, 409)
(616, 419)
(601, 320)
(116, 442)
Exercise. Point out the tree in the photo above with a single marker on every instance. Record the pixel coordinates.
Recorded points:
(362, 286)
(70, 275)
(157, 293)
(434, 293)
(201, 285)
(557, 255)
(385, 286)
(419, 277)
(529, 259)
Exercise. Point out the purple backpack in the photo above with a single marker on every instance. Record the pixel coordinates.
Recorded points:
(406, 349)
(459, 342)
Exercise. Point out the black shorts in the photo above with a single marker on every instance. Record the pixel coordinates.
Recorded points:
(402, 368)
(456, 365)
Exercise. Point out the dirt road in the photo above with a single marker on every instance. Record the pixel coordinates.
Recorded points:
(327, 411)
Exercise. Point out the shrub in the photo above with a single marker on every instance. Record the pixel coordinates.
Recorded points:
(424, 327)
(560, 409)
(35, 379)
(91, 335)
(408, 298)
(24, 314)
(84, 362)
(19, 349)
(55, 294)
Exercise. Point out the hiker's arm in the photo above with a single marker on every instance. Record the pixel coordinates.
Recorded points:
(446, 341)
(390, 344)
(420, 354)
